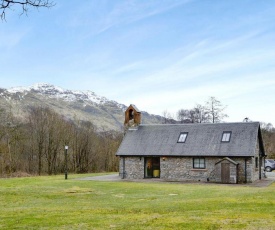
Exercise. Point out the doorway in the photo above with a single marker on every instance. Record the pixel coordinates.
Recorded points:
(151, 167)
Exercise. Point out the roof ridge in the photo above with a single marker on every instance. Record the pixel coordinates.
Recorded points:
(224, 123)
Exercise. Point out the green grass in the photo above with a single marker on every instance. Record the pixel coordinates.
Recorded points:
(55, 203)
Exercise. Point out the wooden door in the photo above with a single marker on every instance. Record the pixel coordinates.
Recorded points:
(225, 171)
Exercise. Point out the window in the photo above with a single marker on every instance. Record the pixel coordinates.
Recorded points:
(226, 136)
(256, 162)
(199, 163)
(182, 137)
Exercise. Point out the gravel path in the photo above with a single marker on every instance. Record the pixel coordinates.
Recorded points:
(110, 177)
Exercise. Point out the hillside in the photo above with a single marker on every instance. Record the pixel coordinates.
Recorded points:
(105, 114)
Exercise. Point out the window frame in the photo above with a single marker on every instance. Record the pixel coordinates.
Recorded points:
(200, 159)
(226, 133)
(182, 133)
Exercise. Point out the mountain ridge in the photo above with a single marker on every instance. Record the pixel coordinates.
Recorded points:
(76, 105)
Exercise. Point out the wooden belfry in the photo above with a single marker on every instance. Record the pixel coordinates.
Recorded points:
(132, 116)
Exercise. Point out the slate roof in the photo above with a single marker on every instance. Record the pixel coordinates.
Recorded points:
(202, 140)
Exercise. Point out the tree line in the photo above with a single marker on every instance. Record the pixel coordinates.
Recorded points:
(211, 112)
(268, 132)
(36, 146)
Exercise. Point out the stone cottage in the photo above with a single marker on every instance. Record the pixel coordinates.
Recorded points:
(219, 152)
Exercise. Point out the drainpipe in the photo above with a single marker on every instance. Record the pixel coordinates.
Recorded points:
(245, 170)
(123, 167)
(237, 173)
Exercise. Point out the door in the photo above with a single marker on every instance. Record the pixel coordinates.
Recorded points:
(225, 173)
(151, 167)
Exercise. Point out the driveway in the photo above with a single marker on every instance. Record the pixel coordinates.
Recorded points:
(270, 175)
(109, 177)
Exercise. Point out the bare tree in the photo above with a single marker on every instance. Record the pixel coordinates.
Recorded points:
(268, 132)
(56, 130)
(25, 5)
(109, 145)
(38, 130)
(11, 136)
(37, 146)
(83, 145)
(198, 114)
(184, 116)
(267, 127)
(215, 110)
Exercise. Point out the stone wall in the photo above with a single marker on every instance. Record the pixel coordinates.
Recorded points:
(134, 167)
(181, 169)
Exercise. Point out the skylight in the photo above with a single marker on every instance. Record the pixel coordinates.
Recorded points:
(182, 137)
(226, 136)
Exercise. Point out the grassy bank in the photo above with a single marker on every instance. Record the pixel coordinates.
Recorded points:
(55, 203)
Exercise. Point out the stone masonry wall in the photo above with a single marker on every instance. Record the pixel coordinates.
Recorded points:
(181, 169)
(134, 167)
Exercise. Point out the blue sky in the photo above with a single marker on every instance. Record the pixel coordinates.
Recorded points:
(157, 54)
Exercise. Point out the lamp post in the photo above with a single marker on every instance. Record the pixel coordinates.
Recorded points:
(66, 162)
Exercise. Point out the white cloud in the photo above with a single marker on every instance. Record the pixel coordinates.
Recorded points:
(127, 12)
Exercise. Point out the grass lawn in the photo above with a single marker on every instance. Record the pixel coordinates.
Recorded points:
(55, 203)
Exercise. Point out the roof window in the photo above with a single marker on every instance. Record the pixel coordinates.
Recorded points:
(182, 137)
(226, 136)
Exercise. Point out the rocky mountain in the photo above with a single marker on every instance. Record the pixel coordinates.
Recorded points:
(75, 105)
